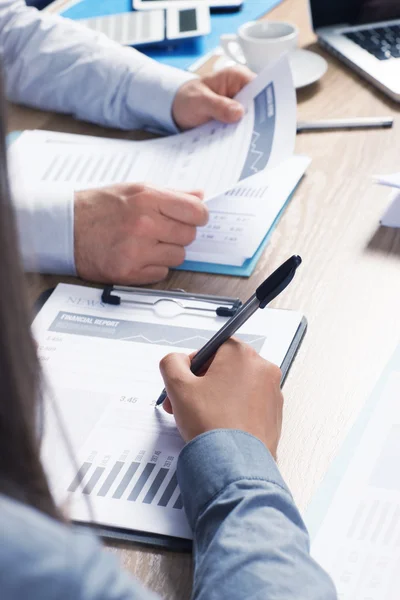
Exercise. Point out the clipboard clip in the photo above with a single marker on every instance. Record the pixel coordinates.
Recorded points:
(222, 306)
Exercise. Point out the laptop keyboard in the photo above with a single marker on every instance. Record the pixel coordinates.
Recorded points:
(382, 42)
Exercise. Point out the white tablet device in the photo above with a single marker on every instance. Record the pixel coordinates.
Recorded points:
(150, 27)
(153, 4)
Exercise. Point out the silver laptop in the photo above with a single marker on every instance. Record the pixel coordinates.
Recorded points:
(365, 34)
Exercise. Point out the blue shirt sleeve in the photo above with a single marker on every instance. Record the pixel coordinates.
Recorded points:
(249, 538)
(42, 559)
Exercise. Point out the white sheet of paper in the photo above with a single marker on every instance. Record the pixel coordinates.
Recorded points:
(240, 218)
(212, 157)
(391, 218)
(101, 365)
(392, 180)
(358, 542)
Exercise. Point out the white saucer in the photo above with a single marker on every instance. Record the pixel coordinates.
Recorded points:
(307, 67)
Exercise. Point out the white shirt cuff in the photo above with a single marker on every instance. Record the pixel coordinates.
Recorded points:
(45, 220)
(151, 94)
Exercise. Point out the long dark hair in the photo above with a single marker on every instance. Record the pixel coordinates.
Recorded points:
(21, 473)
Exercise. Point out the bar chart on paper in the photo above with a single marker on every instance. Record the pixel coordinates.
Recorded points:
(249, 192)
(127, 471)
(152, 482)
(358, 540)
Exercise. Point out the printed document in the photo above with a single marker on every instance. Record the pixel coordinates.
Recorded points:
(212, 157)
(247, 170)
(358, 542)
(100, 363)
(240, 218)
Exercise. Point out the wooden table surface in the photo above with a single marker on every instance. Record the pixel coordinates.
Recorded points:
(348, 285)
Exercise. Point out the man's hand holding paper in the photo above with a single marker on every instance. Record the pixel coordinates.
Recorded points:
(211, 97)
(134, 232)
(213, 157)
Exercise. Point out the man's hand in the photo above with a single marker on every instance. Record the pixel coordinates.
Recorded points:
(210, 97)
(132, 233)
(240, 390)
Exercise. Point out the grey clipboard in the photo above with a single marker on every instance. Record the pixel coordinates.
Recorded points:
(293, 349)
(162, 542)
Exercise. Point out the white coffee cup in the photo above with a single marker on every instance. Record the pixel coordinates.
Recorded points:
(259, 43)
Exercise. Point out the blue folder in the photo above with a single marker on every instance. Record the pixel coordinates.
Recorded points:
(182, 54)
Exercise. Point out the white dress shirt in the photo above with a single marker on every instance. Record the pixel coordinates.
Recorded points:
(56, 64)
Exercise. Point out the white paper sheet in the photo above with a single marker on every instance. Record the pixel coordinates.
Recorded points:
(359, 540)
(392, 180)
(213, 157)
(240, 218)
(391, 218)
(101, 364)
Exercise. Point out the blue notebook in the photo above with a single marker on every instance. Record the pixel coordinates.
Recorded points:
(183, 53)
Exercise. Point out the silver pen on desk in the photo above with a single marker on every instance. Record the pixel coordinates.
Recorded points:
(355, 123)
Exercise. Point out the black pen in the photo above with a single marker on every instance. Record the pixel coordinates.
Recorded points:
(264, 294)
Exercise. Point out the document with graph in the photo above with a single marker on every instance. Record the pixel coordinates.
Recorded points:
(212, 157)
(102, 379)
(247, 170)
(355, 518)
(241, 218)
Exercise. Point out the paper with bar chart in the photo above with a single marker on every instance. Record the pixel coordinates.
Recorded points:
(101, 367)
(358, 540)
(247, 170)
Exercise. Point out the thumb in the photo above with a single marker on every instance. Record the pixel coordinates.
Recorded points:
(222, 108)
(198, 193)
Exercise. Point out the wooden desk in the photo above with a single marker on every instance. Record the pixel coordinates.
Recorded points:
(348, 286)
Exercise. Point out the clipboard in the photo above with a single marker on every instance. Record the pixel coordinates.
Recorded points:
(149, 299)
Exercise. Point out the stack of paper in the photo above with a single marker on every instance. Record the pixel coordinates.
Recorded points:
(247, 170)
(391, 218)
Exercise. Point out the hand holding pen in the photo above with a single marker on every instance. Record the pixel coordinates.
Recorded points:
(263, 295)
(240, 390)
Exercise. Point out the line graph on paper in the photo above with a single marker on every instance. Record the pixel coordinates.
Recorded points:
(140, 332)
(263, 132)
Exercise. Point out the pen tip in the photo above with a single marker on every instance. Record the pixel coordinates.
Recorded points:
(161, 398)
(297, 260)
